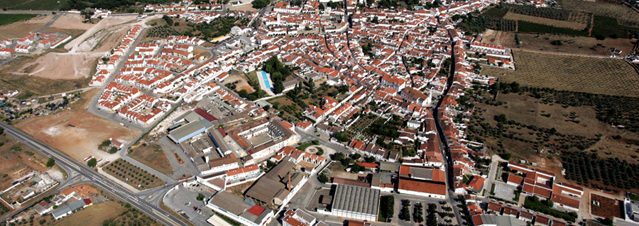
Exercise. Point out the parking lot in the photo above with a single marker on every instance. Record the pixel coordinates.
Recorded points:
(183, 200)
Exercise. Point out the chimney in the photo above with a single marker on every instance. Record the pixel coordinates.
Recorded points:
(288, 182)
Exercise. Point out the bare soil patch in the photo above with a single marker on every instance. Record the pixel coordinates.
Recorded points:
(578, 121)
(152, 156)
(33, 85)
(93, 36)
(571, 73)
(61, 66)
(77, 132)
(17, 160)
(94, 215)
(71, 21)
(22, 28)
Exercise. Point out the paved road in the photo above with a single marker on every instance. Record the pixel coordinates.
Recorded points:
(450, 178)
(95, 178)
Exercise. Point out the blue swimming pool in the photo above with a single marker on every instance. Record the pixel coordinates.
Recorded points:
(266, 80)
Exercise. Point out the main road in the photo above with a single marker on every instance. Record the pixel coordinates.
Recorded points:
(450, 177)
(95, 178)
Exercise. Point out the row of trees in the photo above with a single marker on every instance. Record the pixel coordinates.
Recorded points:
(586, 168)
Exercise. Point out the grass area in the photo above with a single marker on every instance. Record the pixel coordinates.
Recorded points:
(11, 18)
(152, 156)
(94, 215)
(571, 73)
(33, 4)
(132, 175)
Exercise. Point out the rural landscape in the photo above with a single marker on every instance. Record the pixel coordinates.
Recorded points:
(319, 112)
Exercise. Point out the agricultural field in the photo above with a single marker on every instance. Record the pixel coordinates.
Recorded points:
(624, 14)
(11, 18)
(570, 73)
(132, 175)
(545, 21)
(33, 4)
(152, 156)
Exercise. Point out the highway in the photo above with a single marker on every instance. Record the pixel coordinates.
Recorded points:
(95, 178)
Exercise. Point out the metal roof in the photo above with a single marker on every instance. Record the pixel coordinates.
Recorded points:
(356, 199)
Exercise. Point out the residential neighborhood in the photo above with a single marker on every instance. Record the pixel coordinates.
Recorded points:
(319, 113)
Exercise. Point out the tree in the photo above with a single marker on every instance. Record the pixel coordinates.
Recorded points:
(322, 178)
(50, 162)
(258, 4)
(386, 207)
(199, 197)
(337, 156)
(92, 162)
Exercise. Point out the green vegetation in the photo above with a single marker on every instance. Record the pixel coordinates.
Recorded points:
(545, 206)
(199, 197)
(255, 84)
(110, 4)
(431, 218)
(219, 27)
(229, 220)
(417, 213)
(386, 204)
(305, 145)
(50, 163)
(131, 216)
(12, 18)
(92, 162)
(32, 4)
(404, 212)
(322, 178)
(588, 169)
(258, 4)
(278, 72)
(386, 128)
(610, 27)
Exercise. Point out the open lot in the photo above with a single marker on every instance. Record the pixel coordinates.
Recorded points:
(152, 156)
(20, 29)
(580, 122)
(17, 160)
(571, 73)
(132, 175)
(108, 33)
(61, 66)
(94, 215)
(76, 132)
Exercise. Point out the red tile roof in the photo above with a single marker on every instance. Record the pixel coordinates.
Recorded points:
(422, 186)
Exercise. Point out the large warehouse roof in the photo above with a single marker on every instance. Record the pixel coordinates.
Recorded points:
(356, 199)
